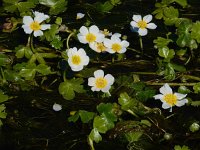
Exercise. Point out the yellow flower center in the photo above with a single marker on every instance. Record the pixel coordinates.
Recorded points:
(116, 47)
(142, 24)
(76, 60)
(106, 32)
(90, 37)
(101, 83)
(171, 99)
(35, 26)
(101, 47)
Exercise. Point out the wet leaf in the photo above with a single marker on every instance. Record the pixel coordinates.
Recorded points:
(86, 116)
(57, 42)
(68, 88)
(95, 136)
(161, 42)
(195, 33)
(166, 52)
(22, 51)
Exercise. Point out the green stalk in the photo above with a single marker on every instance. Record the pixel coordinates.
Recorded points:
(68, 38)
(171, 84)
(141, 45)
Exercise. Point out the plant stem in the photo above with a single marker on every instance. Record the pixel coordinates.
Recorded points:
(64, 76)
(141, 45)
(191, 77)
(68, 38)
(30, 43)
(171, 84)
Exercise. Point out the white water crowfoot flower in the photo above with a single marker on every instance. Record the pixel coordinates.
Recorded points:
(90, 35)
(142, 24)
(100, 82)
(79, 15)
(57, 107)
(98, 47)
(169, 98)
(115, 44)
(77, 58)
(34, 25)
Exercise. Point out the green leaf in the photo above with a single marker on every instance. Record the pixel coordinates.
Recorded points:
(183, 90)
(195, 103)
(3, 97)
(29, 72)
(95, 136)
(145, 94)
(171, 12)
(51, 33)
(22, 51)
(102, 123)
(179, 68)
(4, 60)
(196, 88)
(169, 72)
(86, 116)
(105, 7)
(57, 42)
(125, 101)
(195, 31)
(106, 109)
(56, 6)
(115, 2)
(133, 136)
(183, 3)
(68, 88)
(43, 69)
(161, 42)
(166, 52)
(3, 114)
(178, 147)
(74, 118)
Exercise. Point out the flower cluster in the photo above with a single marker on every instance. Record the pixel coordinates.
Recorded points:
(98, 41)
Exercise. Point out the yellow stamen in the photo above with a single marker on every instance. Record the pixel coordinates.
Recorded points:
(101, 47)
(106, 32)
(90, 37)
(116, 47)
(76, 60)
(171, 99)
(142, 24)
(101, 83)
(35, 26)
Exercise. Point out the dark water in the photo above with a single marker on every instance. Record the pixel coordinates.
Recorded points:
(33, 125)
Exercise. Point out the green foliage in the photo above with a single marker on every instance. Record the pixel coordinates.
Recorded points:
(161, 42)
(195, 31)
(30, 70)
(57, 42)
(85, 116)
(107, 5)
(56, 6)
(23, 51)
(4, 59)
(178, 147)
(196, 87)
(95, 136)
(68, 88)
(3, 114)
(194, 127)
(17, 5)
(3, 97)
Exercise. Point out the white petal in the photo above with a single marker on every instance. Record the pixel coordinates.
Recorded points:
(81, 52)
(110, 79)
(27, 20)
(147, 18)
(38, 33)
(137, 18)
(109, 50)
(117, 35)
(40, 17)
(134, 24)
(165, 106)
(181, 102)
(94, 29)
(76, 67)
(27, 29)
(142, 32)
(107, 43)
(151, 26)
(80, 15)
(125, 43)
(158, 96)
(81, 38)
(91, 81)
(123, 50)
(98, 73)
(45, 26)
(86, 60)
(57, 107)
(165, 89)
(100, 37)
(180, 96)
(83, 30)
(106, 89)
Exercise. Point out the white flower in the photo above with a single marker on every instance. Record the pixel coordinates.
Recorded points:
(79, 15)
(34, 25)
(100, 82)
(98, 47)
(77, 58)
(90, 35)
(106, 32)
(115, 44)
(142, 24)
(57, 107)
(169, 98)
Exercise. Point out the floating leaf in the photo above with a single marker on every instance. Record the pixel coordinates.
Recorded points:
(161, 42)
(57, 42)
(68, 88)
(166, 52)
(22, 51)
(95, 136)
(86, 116)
